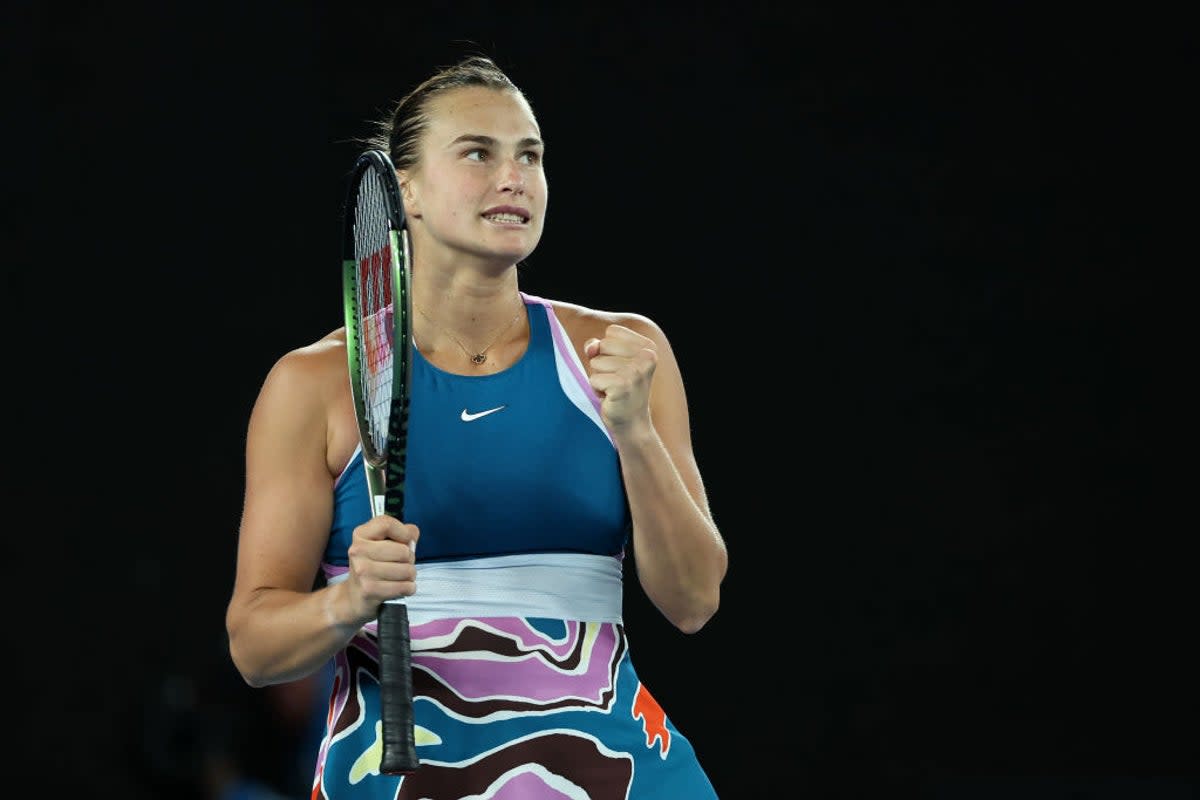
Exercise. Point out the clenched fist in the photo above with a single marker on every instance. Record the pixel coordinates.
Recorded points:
(622, 367)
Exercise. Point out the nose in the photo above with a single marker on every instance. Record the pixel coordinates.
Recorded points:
(511, 177)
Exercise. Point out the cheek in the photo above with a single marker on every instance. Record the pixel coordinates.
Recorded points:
(444, 205)
(455, 213)
(457, 200)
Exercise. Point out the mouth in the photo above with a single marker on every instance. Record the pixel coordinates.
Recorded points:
(507, 217)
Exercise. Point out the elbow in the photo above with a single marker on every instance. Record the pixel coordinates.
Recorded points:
(691, 613)
(241, 663)
(688, 608)
(253, 678)
(702, 605)
(242, 660)
(697, 615)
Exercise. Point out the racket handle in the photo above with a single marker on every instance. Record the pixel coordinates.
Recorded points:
(396, 692)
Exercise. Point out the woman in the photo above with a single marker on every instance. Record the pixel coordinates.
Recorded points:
(544, 439)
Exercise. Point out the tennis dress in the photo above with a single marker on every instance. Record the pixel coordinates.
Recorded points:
(523, 684)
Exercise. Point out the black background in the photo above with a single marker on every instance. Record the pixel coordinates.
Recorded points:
(903, 260)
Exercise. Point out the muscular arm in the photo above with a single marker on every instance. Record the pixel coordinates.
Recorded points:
(279, 629)
(680, 554)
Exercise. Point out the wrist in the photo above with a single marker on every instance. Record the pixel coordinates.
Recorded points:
(636, 436)
(340, 613)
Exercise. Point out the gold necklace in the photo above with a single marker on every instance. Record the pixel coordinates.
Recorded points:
(481, 356)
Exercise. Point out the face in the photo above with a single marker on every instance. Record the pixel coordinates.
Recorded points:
(478, 189)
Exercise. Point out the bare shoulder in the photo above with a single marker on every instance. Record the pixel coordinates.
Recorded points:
(313, 372)
(305, 400)
(315, 358)
(583, 323)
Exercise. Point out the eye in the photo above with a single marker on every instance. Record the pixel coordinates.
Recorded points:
(531, 158)
(476, 154)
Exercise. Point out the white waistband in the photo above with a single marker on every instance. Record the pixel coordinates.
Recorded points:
(575, 586)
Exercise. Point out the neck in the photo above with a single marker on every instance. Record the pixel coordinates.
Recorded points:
(465, 299)
(474, 339)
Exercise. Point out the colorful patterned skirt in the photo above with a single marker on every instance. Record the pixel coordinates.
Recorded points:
(508, 708)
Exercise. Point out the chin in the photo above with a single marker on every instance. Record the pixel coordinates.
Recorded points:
(516, 253)
(517, 258)
(506, 258)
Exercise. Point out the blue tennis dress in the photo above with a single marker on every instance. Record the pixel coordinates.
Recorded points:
(523, 685)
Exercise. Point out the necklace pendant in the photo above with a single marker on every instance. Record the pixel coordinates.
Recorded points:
(479, 358)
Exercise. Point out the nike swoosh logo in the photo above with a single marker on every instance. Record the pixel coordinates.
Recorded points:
(467, 417)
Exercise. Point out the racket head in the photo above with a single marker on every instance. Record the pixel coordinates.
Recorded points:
(376, 271)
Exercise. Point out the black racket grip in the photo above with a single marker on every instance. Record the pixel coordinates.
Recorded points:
(396, 692)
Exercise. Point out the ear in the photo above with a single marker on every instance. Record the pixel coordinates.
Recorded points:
(408, 194)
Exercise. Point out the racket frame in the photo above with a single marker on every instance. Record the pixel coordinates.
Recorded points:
(385, 472)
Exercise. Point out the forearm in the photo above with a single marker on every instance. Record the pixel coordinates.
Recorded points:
(282, 635)
(679, 553)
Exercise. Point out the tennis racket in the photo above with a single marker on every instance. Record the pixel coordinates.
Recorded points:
(376, 269)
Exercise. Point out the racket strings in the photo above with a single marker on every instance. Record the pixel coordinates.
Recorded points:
(373, 242)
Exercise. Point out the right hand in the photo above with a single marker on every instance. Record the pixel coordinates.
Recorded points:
(383, 567)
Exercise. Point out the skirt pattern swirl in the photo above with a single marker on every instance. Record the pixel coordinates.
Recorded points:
(509, 708)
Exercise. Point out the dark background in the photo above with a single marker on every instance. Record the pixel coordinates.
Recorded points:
(903, 259)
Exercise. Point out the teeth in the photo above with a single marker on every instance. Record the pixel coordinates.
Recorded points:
(505, 218)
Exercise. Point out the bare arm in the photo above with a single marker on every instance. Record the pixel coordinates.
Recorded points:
(680, 554)
(279, 629)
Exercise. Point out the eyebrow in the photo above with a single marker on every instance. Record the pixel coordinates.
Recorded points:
(528, 141)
